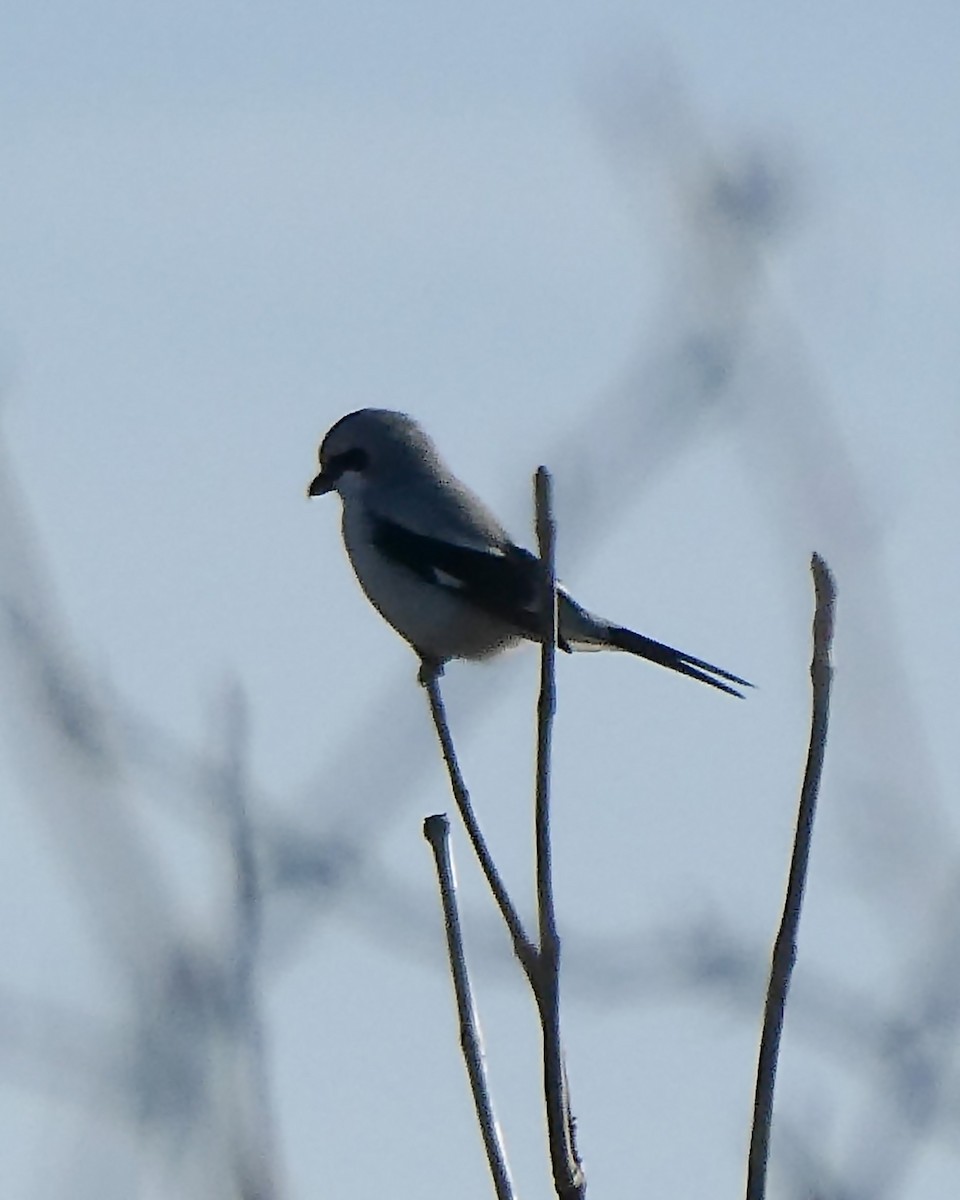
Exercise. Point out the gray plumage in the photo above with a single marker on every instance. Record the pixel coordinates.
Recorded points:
(438, 565)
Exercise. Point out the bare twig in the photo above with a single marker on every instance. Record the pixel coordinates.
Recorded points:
(436, 830)
(546, 707)
(523, 947)
(785, 947)
(568, 1177)
(540, 962)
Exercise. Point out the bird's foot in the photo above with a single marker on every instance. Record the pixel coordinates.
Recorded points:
(430, 671)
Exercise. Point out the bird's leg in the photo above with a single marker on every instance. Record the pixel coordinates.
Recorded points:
(430, 670)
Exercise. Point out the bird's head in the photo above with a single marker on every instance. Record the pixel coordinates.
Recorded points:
(370, 444)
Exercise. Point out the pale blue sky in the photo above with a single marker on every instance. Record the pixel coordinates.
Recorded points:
(222, 227)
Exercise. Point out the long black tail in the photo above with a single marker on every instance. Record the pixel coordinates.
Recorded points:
(675, 660)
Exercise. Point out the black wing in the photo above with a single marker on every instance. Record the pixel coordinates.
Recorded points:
(502, 581)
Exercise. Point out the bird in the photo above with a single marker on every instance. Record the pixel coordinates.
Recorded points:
(438, 565)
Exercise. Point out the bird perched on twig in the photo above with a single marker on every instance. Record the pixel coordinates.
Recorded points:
(436, 563)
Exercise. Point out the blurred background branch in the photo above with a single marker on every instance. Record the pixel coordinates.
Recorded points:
(169, 890)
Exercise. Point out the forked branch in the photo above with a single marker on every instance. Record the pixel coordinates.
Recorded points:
(541, 961)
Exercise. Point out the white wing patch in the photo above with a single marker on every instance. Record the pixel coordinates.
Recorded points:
(454, 582)
(477, 546)
(449, 581)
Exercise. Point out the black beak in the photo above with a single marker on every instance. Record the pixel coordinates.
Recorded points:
(325, 482)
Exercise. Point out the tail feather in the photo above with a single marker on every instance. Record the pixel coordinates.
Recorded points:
(674, 660)
(582, 630)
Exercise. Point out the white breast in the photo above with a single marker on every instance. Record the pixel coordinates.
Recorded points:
(436, 622)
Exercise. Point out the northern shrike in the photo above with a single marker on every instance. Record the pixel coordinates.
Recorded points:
(438, 565)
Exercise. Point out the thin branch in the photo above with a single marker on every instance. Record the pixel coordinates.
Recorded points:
(546, 708)
(785, 947)
(568, 1178)
(436, 830)
(540, 962)
(523, 947)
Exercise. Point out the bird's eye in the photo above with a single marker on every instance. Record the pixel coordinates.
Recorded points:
(350, 460)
